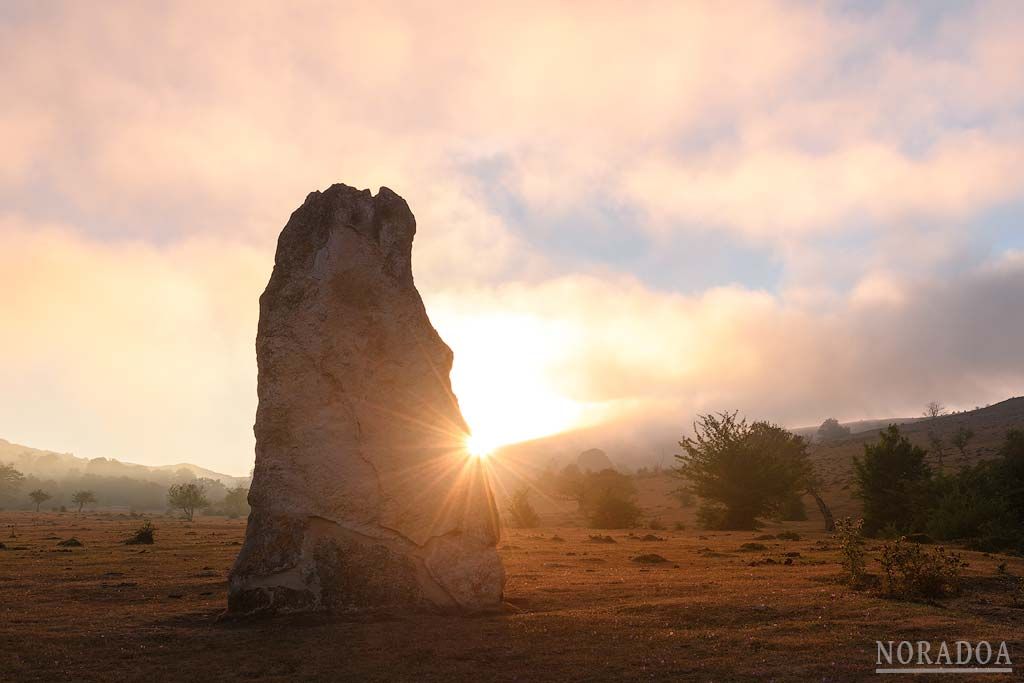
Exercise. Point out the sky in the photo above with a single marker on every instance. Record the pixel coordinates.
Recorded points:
(628, 214)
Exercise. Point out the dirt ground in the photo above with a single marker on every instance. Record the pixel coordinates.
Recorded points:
(578, 610)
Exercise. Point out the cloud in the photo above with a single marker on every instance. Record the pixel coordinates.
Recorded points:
(779, 192)
(153, 152)
(614, 346)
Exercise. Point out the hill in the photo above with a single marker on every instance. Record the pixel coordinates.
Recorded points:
(57, 466)
(517, 465)
(858, 426)
(834, 460)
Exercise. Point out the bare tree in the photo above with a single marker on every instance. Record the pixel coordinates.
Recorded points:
(933, 411)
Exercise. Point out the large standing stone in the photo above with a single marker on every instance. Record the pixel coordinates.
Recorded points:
(363, 494)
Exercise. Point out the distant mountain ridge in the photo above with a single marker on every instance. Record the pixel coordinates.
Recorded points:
(52, 465)
(858, 426)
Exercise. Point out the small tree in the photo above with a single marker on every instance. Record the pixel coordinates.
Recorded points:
(83, 498)
(10, 479)
(890, 481)
(236, 502)
(39, 497)
(831, 430)
(521, 511)
(961, 438)
(187, 497)
(742, 471)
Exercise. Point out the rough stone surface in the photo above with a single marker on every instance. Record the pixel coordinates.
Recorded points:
(363, 494)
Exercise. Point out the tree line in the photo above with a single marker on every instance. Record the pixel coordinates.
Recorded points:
(203, 494)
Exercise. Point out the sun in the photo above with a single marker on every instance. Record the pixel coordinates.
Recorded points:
(505, 377)
(478, 446)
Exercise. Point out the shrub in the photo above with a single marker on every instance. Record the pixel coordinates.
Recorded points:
(520, 510)
(911, 571)
(655, 525)
(679, 526)
(850, 537)
(143, 535)
(612, 511)
(789, 536)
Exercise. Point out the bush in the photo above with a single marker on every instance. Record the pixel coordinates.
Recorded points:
(143, 536)
(789, 536)
(520, 510)
(612, 511)
(850, 537)
(679, 526)
(911, 571)
(655, 525)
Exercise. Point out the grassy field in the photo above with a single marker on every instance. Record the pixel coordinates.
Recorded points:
(578, 610)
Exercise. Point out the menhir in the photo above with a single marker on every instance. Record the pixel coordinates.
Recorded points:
(363, 494)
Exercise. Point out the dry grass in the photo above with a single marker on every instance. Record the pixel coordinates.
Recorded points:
(580, 611)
